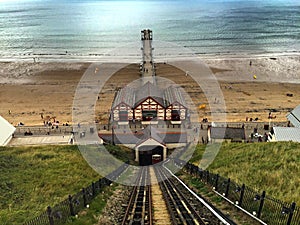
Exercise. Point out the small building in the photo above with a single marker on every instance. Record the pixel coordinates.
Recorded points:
(149, 103)
(229, 134)
(6, 131)
(147, 143)
(151, 145)
(294, 116)
(285, 134)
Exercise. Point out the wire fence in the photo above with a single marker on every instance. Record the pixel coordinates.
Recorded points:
(62, 211)
(258, 204)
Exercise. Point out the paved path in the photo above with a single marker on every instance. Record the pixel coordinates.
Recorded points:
(148, 71)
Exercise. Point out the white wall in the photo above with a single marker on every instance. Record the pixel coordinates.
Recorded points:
(6, 131)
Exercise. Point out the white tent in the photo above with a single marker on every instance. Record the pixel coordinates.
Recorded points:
(6, 131)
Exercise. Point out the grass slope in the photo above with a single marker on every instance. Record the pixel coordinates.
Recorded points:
(273, 167)
(31, 178)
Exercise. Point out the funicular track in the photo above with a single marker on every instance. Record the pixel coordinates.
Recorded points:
(183, 207)
(139, 206)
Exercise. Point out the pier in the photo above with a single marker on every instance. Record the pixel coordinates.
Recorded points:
(147, 65)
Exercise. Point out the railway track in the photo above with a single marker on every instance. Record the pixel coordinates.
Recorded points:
(139, 210)
(184, 206)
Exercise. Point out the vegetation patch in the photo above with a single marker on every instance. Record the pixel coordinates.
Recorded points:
(31, 178)
(273, 167)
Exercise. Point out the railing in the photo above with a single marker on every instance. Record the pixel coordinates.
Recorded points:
(262, 207)
(48, 130)
(60, 213)
(42, 130)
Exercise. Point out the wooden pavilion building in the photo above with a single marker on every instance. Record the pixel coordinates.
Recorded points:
(149, 103)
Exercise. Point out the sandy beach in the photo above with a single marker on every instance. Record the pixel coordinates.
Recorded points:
(252, 87)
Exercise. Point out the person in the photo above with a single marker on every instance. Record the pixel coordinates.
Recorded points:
(250, 63)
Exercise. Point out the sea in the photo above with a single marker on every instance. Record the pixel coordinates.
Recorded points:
(84, 29)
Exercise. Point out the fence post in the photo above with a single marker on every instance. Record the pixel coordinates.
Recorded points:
(50, 217)
(201, 174)
(207, 177)
(292, 208)
(198, 175)
(100, 184)
(190, 168)
(262, 200)
(84, 197)
(216, 183)
(227, 188)
(71, 206)
(93, 189)
(242, 195)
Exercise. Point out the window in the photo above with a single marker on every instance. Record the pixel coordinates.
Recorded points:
(149, 115)
(175, 115)
(123, 115)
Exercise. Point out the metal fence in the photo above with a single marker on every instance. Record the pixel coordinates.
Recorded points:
(258, 204)
(62, 211)
(42, 130)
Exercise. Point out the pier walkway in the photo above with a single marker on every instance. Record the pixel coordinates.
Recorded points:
(147, 67)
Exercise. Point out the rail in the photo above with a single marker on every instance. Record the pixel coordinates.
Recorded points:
(139, 210)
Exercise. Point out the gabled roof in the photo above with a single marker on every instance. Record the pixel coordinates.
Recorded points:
(227, 133)
(287, 134)
(294, 116)
(173, 95)
(149, 90)
(6, 131)
(150, 133)
(126, 96)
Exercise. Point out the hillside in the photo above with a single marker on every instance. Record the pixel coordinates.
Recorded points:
(273, 167)
(31, 178)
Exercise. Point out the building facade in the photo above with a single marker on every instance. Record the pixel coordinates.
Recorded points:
(149, 103)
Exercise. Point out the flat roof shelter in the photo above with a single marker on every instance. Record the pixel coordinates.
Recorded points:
(230, 134)
(6, 131)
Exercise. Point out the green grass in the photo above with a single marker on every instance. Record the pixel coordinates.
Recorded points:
(273, 167)
(91, 215)
(31, 178)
